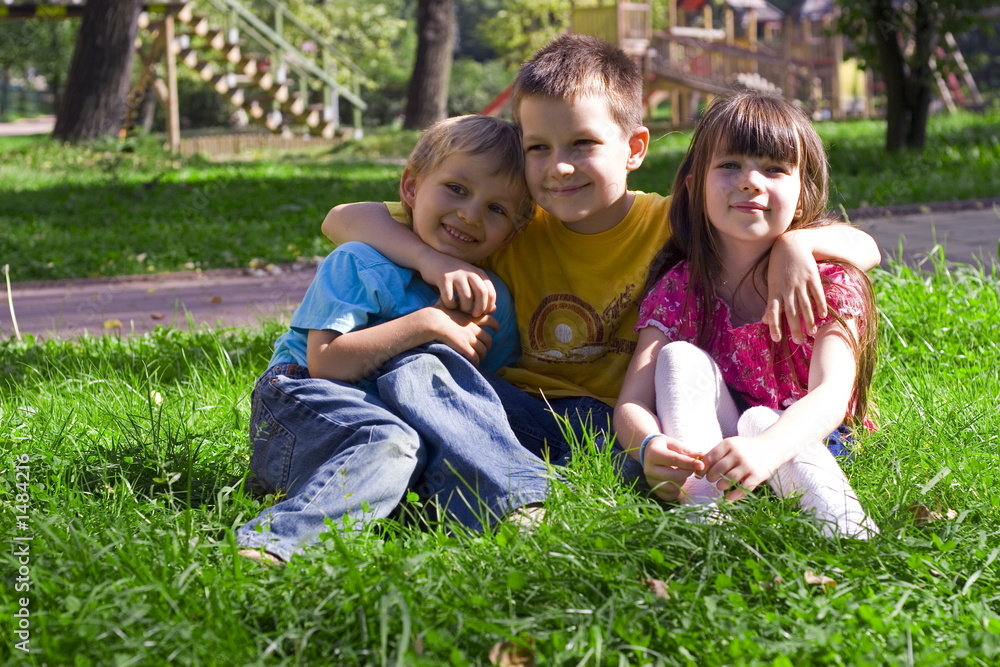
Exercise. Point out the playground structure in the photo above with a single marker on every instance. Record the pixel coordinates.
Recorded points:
(289, 88)
(284, 76)
(712, 47)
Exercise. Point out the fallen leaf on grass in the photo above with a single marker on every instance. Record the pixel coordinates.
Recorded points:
(924, 515)
(818, 579)
(112, 323)
(509, 654)
(157, 316)
(658, 588)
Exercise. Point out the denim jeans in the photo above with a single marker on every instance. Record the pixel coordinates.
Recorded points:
(476, 468)
(540, 426)
(332, 449)
(335, 449)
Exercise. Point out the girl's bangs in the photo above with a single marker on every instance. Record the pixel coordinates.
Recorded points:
(760, 132)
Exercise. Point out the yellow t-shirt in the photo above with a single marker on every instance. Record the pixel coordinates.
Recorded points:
(576, 298)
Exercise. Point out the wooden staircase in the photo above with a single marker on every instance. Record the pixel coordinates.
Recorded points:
(254, 66)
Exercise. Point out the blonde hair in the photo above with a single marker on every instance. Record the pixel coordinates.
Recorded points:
(474, 135)
(574, 66)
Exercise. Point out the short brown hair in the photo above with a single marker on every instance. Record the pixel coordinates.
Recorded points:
(474, 135)
(574, 66)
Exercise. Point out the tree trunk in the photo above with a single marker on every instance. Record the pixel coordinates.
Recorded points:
(93, 104)
(893, 66)
(427, 95)
(921, 83)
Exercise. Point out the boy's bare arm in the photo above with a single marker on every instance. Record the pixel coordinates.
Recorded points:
(794, 288)
(354, 355)
(460, 284)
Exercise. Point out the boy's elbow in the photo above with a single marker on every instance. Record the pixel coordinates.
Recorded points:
(333, 222)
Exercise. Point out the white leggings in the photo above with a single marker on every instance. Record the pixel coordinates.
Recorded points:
(694, 406)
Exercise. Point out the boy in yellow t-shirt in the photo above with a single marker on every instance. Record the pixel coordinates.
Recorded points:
(577, 272)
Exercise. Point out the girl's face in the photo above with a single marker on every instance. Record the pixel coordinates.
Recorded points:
(750, 200)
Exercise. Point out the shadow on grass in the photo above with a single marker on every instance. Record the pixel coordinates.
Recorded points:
(214, 216)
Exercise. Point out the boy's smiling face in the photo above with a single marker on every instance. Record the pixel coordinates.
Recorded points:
(577, 160)
(464, 207)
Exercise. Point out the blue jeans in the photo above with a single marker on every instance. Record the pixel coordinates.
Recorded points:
(541, 426)
(335, 449)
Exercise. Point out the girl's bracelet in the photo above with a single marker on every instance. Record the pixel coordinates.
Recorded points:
(645, 443)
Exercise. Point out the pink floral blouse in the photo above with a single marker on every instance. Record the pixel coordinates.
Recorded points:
(765, 373)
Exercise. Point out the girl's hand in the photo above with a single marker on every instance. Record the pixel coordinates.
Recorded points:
(667, 464)
(460, 285)
(793, 289)
(463, 333)
(739, 465)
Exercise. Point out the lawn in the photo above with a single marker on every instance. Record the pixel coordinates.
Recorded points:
(111, 209)
(127, 457)
(124, 462)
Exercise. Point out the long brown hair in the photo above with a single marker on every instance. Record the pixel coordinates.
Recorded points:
(759, 125)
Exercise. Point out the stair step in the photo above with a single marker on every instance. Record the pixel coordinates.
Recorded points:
(295, 104)
(198, 24)
(326, 130)
(216, 39)
(254, 109)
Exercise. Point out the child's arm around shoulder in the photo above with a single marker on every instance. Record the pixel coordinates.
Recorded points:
(460, 285)
(351, 356)
(793, 283)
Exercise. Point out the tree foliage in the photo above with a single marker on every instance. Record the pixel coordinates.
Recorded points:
(42, 47)
(522, 27)
(902, 39)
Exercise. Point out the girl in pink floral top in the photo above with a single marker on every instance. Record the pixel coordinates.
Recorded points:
(719, 398)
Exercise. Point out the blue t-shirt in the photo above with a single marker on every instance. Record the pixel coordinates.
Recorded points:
(356, 287)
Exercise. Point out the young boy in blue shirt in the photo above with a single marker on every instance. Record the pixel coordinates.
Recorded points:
(577, 272)
(335, 420)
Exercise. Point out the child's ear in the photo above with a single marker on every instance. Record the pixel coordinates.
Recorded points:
(638, 144)
(408, 188)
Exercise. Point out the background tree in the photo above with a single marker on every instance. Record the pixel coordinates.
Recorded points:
(902, 39)
(43, 47)
(524, 26)
(427, 94)
(93, 103)
(377, 36)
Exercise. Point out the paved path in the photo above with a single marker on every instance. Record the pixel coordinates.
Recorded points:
(26, 126)
(968, 231)
(232, 298)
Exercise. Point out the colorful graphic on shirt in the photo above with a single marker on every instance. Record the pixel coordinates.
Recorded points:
(566, 329)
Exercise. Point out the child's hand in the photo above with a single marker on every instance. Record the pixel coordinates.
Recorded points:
(463, 333)
(741, 463)
(793, 289)
(667, 464)
(460, 285)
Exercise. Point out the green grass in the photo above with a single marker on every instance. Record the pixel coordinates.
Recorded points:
(104, 209)
(135, 451)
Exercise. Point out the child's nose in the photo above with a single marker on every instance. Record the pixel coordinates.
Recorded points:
(751, 180)
(562, 167)
(470, 214)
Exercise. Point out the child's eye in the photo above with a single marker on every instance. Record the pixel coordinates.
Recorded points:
(498, 209)
(535, 148)
(457, 189)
